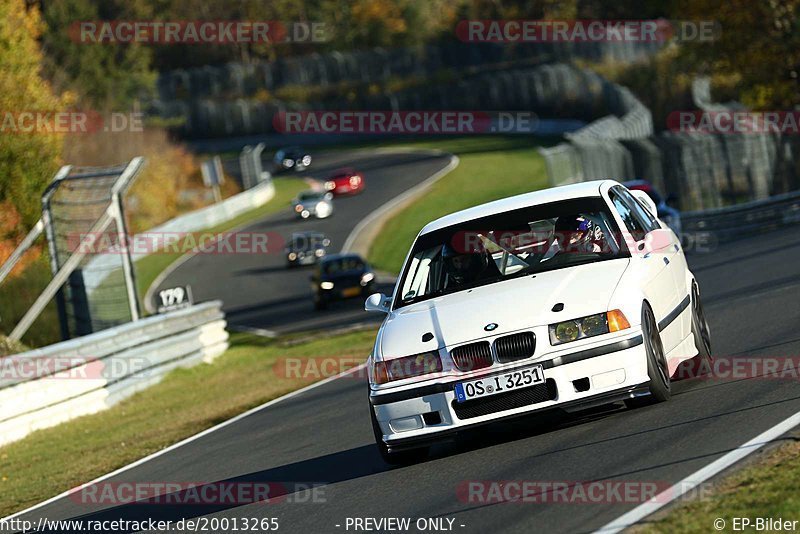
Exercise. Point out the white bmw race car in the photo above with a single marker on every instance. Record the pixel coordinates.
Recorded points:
(564, 298)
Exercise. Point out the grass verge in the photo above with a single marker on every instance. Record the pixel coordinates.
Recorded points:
(250, 373)
(768, 488)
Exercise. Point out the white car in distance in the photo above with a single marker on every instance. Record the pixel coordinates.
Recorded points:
(565, 298)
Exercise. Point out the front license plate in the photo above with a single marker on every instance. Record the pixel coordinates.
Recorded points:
(351, 292)
(492, 385)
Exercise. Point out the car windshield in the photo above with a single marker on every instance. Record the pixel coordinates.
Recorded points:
(508, 245)
(310, 195)
(306, 241)
(343, 265)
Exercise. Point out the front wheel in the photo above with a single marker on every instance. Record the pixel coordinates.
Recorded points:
(657, 368)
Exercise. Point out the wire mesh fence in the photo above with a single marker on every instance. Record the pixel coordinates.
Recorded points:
(99, 292)
(243, 99)
(702, 170)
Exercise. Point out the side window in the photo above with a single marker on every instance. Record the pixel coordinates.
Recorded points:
(651, 222)
(632, 220)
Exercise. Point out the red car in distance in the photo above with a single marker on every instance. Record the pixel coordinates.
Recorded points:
(344, 182)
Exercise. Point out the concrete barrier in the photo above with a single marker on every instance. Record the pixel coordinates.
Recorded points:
(48, 386)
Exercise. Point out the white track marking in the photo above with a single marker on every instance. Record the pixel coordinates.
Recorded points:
(263, 332)
(380, 212)
(695, 479)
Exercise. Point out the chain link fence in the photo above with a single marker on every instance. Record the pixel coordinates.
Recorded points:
(240, 99)
(98, 294)
(702, 170)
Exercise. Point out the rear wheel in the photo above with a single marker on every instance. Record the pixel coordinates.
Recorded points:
(657, 368)
(700, 329)
(411, 456)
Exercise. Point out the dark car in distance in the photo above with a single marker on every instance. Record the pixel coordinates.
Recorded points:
(306, 248)
(291, 158)
(339, 277)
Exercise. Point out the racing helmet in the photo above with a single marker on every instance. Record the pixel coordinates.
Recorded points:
(575, 232)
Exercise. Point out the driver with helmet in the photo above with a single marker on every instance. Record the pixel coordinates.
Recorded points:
(467, 267)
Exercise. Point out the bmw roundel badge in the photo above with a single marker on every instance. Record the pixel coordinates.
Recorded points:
(489, 327)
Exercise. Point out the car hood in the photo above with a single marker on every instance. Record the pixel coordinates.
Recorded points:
(513, 305)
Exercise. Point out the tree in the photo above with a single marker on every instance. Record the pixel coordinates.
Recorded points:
(105, 76)
(27, 160)
(758, 44)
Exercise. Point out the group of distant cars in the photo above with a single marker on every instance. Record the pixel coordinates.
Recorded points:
(344, 276)
(335, 276)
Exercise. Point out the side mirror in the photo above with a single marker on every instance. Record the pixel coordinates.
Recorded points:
(377, 302)
(646, 201)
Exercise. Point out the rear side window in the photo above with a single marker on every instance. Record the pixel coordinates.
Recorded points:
(644, 214)
(634, 221)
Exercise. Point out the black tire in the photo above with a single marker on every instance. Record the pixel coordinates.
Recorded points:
(701, 331)
(657, 368)
(407, 457)
(320, 303)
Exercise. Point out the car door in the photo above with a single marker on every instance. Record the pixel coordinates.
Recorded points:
(651, 264)
(677, 266)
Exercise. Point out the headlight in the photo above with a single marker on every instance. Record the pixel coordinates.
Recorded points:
(298, 208)
(366, 278)
(326, 285)
(590, 326)
(319, 252)
(407, 367)
(330, 186)
(288, 162)
(306, 160)
(323, 209)
(292, 256)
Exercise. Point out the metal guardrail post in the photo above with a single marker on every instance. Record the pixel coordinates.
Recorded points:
(60, 277)
(26, 243)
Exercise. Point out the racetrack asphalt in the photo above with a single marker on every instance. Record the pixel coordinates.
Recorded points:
(258, 291)
(323, 436)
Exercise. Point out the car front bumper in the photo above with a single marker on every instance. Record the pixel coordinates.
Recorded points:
(600, 374)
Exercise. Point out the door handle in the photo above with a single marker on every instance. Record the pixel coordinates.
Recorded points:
(666, 261)
(677, 248)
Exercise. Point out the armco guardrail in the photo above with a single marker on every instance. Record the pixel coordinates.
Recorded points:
(742, 220)
(47, 386)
